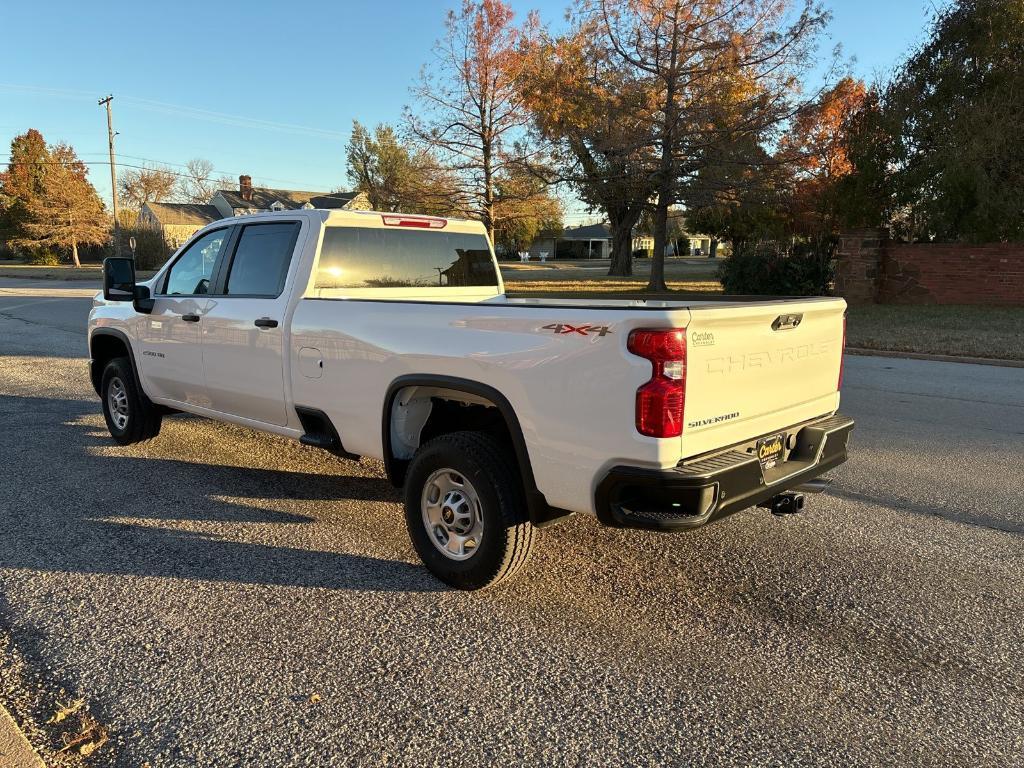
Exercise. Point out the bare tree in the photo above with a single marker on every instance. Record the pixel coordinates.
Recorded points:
(147, 185)
(196, 184)
(471, 110)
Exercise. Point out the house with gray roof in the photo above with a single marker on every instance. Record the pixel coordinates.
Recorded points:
(249, 199)
(594, 241)
(590, 241)
(177, 221)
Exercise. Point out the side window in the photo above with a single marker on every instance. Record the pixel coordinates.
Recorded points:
(261, 260)
(192, 272)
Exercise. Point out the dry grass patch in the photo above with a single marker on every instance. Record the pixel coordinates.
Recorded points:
(606, 287)
(63, 272)
(971, 331)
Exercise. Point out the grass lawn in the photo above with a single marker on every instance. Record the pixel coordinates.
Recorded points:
(60, 272)
(971, 331)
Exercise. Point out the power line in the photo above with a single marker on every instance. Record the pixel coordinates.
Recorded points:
(318, 193)
(149, 168)
(228, 119)
(179, 110)
(216, 172)
(213, 172)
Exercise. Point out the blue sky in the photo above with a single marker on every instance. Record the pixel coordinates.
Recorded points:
(270, 89)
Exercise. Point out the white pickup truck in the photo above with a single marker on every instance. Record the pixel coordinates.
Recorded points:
(390, 336)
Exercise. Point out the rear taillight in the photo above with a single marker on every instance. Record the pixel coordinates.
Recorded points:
(660, 402)
(842, 355)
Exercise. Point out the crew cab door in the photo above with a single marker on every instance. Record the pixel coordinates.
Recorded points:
(172, 355)
(243, 331)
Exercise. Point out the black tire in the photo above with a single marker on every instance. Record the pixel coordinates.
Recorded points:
(140, 420)
(507, 535)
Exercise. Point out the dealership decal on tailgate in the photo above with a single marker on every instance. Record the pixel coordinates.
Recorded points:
(769, 450)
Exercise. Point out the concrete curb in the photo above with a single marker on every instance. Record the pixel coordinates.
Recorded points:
(936, 358)
(15, 751)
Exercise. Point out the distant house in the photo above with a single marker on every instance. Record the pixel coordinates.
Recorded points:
(177, 221)
(591, 241)
(688, 245)
(594, 241)
(249, 199)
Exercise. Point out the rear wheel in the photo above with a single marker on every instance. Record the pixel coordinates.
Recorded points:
(130, 416)
(465, 511)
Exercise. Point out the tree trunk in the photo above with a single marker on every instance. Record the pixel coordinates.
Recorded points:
(666, 179)
(488, 212)
(657, 281)
(622, 223)
(713, 249)
(74, 240)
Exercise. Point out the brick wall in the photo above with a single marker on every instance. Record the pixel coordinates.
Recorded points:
(872, 268)
(858, 264)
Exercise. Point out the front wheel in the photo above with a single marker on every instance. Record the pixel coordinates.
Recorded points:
(130, 416)
(465, 510)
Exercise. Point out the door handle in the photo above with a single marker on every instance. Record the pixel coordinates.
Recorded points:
(266, 322)
(190, 318)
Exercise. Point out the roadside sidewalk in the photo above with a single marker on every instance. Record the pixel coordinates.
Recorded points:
(935, 358)
(15, 751)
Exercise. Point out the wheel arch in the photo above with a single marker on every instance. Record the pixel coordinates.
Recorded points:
(541, 513)
(104, 345)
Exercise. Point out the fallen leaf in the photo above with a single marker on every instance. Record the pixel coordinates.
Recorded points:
(65, 711)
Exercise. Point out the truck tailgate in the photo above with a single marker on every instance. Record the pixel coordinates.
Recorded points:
(754, 368)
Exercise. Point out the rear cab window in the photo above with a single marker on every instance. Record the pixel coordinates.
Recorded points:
(261, 259)
(392, 262)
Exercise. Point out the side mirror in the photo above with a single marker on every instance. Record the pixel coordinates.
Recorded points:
(119, 284)
(119, 279)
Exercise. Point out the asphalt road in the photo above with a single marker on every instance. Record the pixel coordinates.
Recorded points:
(220, 597)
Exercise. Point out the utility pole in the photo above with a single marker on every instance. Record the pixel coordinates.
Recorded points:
(113, 174)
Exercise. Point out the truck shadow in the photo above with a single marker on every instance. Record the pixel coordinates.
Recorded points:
(896, 503)
(71, 507)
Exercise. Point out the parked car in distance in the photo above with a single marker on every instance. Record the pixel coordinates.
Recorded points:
(390, 336)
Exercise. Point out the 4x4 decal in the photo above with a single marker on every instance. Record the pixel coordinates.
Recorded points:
(582, 330)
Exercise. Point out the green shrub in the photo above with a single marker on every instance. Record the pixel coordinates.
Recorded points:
(151, 250)
(772, 272)
(42, 257)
